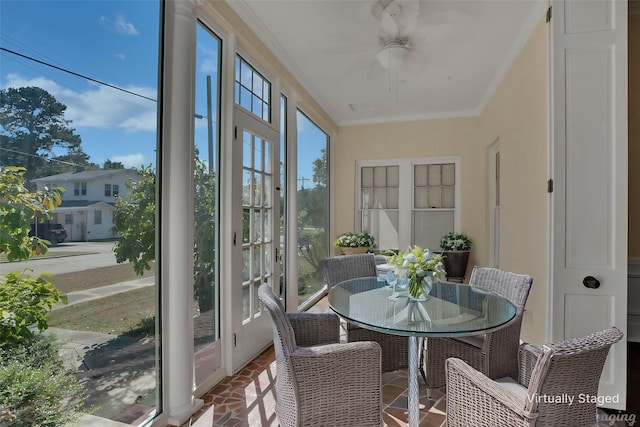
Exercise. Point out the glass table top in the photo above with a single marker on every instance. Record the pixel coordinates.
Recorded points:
(451, 309)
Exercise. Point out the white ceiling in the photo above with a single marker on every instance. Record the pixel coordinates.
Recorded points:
(461, 50)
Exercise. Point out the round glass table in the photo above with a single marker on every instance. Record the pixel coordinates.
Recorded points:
(451, 309)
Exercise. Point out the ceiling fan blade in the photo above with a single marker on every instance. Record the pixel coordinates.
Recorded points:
(408, 21)
(389, 25)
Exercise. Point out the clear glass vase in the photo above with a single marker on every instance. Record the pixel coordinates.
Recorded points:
(420, 287)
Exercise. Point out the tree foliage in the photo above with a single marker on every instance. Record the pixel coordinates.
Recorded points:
(135, 221)
(34, 131)
(108, 164)
(18, 206)
(25, 301)
(313, 216)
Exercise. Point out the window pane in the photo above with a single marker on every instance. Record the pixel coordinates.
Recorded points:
(434, 175)
(252, 90)
(366, 177)
(379, 176)
(380, 198)
(430, 226)
(383, 225)
(284, 221)
(420, 176)
(108, 135)
(393, 176)
(206, 211)
(312, 207)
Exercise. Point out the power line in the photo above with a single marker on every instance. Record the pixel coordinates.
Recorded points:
(76, 74)
(40, 157)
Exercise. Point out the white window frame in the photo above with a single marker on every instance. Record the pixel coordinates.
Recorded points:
(494, 210)
(406, 185)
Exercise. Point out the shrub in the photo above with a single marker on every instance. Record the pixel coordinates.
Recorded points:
(25, 301)
(36, 389)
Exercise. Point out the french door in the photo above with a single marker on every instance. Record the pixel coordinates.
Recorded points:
(255, 178)
(589, 76)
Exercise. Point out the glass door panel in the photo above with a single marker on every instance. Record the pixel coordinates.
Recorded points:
(206, 291)
(259, 264)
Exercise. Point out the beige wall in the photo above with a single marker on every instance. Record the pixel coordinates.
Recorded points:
(634, 136)
(516, 115)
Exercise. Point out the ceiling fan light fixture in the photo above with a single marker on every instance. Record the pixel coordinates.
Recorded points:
(392, 56)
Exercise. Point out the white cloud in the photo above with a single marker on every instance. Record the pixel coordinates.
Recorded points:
(100, 106)
(121, 56)
(120, 25)
(209, 64)
(130, 160)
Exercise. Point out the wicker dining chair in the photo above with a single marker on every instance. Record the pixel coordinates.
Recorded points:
(328, 384)
(567, 370)
(496, 353)
(395, 348)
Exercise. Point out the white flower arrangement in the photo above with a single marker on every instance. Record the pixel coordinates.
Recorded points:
(355, 240)
(418, 263)
(455, 242)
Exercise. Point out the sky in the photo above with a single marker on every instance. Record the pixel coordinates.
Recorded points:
(111, 41)
(114, 42)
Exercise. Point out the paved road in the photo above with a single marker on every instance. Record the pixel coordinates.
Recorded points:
(94, 255)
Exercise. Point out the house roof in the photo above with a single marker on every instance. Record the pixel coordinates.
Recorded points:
(86, 175)
(83, 203)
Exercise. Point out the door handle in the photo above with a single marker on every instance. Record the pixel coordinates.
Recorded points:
(591, 282)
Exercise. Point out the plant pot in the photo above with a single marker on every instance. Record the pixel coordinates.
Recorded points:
(455, 263)
(352, 251)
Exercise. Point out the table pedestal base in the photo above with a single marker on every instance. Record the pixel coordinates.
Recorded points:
(414, 395)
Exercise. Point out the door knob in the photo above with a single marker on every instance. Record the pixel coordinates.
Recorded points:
(591, 282)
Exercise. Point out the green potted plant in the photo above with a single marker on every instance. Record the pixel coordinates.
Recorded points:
(355, 243)
(455, 249)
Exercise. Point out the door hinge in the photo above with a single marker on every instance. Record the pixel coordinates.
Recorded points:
(235, 341)
(234, 238)
(550, 186)
(549, 14)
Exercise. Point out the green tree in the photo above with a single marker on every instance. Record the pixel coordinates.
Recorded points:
(18, 206)
(24, 300)
(108, 164)
(35, 134)
(35, 388)
(313, 216)
(134, 221)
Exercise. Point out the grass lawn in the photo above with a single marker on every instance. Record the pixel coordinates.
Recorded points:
(128, 313)
(97, 277)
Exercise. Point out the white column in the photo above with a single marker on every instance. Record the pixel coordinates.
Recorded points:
(175, 179)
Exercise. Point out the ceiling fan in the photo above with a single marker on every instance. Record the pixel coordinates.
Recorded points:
(398, 22)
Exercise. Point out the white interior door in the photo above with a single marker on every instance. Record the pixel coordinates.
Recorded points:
(589, 77)
(256, 177)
